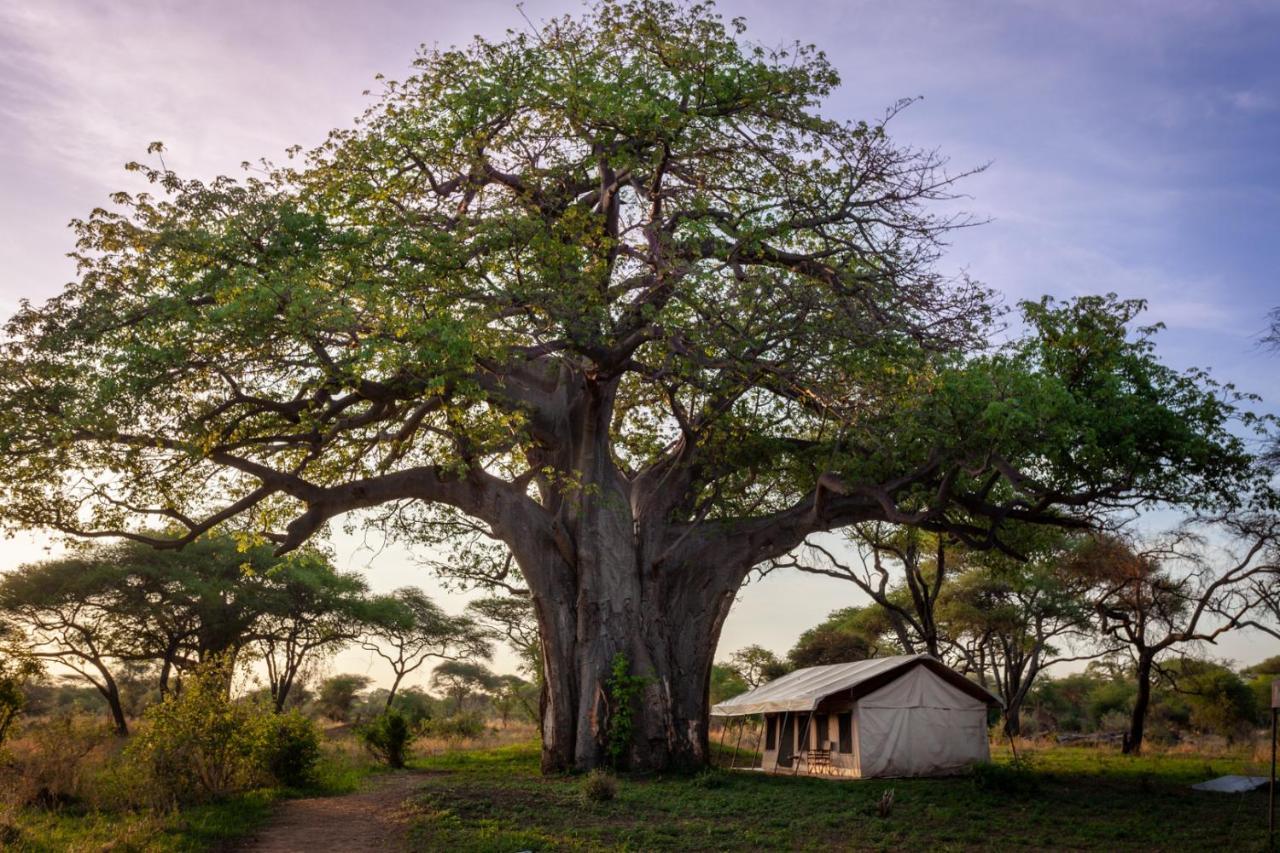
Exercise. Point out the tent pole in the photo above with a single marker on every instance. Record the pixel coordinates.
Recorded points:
(777, 753)
(808, 730)
(724, 728)
(741, 726)
(758, 745)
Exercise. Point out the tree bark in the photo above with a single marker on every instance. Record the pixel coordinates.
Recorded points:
(1141, 703)
(111, 692)
(665, 622)
(391, 693)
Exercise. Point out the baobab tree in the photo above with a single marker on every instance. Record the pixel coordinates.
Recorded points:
(611, 295)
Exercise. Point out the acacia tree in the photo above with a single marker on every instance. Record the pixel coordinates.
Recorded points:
(69, 611)
(611, 295)
(407, 629)
(755, 665)
(1181, 591)
(1011, 619)
(512, 619)
(17, 669)
(461, 679)
(903, 571)
(308, 611)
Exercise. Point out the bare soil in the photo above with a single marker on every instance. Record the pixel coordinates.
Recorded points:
(368, 820)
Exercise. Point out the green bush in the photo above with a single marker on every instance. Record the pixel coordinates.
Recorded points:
(289, 748)
(389, 737)
(457, 727)
(600, 786)
(200, 744)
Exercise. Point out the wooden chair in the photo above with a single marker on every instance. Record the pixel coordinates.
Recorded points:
(818, 760)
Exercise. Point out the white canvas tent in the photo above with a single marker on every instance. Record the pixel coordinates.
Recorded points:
(899, 716)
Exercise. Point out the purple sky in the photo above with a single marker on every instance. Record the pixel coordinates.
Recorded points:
(1135, 148)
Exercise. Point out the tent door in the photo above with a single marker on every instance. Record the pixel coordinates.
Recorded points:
(787, 740)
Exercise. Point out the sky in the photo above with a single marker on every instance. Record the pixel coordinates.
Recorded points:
(1134, 147)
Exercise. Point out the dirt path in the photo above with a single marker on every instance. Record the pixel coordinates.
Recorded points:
(364, 821)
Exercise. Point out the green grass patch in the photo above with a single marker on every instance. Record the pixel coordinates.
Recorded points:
(1077, 798)
(193, 829)
(212, 826)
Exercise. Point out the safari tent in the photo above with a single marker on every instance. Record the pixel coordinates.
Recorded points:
(898, 716)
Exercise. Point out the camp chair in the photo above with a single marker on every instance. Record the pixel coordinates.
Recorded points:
(818, 760)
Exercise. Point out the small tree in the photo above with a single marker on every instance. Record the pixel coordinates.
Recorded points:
(1011, 618)
(1168, 594)
(407, 629)
(1219, 700)
(338, 694)
(511, 619)
(461, 680)
(200, 743)
(853, 633)
(726, 683)
(69, 610)
(309, 610)
(756, 665)
(511, 693)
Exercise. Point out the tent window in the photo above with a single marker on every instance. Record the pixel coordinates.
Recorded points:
(821, 732)
(771, 734)
(845, 722)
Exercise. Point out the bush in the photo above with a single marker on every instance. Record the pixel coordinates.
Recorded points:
(289, 748)
(457, 727)
(600, 786)
(711, 777)
(389, 737)
(1012, 779)
(52, 766)
(200, 744)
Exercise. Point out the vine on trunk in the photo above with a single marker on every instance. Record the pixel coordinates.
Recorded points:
(622, 689)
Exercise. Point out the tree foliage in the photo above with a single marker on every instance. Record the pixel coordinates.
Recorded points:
(407, 629)
(110, 609)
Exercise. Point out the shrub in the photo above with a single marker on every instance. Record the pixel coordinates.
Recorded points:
(51, 767)
(457, 727)
(711, 777)
(884, 807)
(200, 744)
(1015, 778)
(389, 737)
(289, 748)
(600, 786)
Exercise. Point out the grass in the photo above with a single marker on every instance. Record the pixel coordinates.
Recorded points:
(1078, 798)
(494, 798)
(342, 768)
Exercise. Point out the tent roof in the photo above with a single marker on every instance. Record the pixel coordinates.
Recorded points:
(803, 689)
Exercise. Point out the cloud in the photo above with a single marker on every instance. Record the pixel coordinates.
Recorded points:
(1252, 101)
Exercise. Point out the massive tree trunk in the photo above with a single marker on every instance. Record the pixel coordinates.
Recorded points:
(611, 575)
(666, 631)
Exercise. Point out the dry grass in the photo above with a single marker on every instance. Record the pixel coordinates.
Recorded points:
(494, 736)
